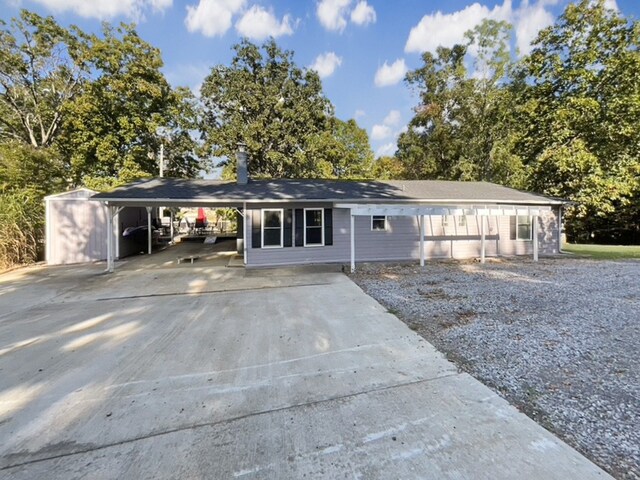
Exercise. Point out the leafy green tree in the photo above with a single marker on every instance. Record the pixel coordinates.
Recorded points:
(42, 67)
(268, 103)
(580, 113)
(111, 128)
(341, 151)
(388, 168)
(180, 148)
(461, 129)
(80, 109)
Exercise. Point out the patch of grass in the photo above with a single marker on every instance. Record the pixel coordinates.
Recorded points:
(604, 252)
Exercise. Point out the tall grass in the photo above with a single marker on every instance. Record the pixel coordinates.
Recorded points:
(21, 227)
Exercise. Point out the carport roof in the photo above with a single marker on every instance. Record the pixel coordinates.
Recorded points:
(167, 191)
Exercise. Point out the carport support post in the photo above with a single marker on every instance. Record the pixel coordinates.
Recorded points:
(149, 228)
(171, 225)
(353, 243)
(534, 222)
(244, 232)
(111, 213)
(482, 244)
(421, 221)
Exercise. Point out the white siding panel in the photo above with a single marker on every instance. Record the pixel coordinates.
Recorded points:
(77, 231)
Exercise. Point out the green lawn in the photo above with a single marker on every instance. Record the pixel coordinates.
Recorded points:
(604, 252)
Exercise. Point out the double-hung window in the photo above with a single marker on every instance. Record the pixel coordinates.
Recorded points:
(523, 227)
(378, 223)
(313, 227)
(272, 227)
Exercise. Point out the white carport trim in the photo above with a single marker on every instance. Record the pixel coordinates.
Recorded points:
(111, 241)
(366, 210)
(420, 211)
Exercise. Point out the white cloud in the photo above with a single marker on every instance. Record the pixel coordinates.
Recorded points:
(386, 149)
(326, 63)
(104, 10)
(385, 130)
(363, 14)
(612, 4)
(528, 21)
(392, 118)
(332, 14)
(258, 23)
(447, 29)
(390, 74)
(380, 132)
(359, 113)
(212, 17)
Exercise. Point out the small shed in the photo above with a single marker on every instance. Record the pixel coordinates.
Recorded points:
(76, 228)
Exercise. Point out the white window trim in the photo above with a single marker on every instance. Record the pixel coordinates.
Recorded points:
(445, 221)
(530, 221)
(386, 224)
(462, 221)
(304, 223)
(262, 212)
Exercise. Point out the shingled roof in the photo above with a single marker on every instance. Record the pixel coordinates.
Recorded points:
(172, 191)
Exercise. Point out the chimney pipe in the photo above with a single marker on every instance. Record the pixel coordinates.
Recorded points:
(241, 164)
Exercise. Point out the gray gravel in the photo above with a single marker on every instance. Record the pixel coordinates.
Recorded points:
(560, 339)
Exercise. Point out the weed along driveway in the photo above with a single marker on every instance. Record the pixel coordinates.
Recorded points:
(200, 372)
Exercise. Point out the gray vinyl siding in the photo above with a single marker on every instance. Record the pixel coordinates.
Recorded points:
(401, 240)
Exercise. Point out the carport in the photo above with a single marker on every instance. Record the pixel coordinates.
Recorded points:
(116, 205)
(420, 212)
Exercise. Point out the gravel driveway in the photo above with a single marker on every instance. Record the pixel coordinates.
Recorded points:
(560, 339)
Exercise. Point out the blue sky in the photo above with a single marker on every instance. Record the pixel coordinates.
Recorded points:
(362, 48)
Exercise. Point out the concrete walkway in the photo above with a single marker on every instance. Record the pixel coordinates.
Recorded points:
(227, 373)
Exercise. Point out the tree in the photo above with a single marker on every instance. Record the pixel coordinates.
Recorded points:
(341, 151)
(180, 148)
(80, 109)
(42, 67)
(388, 168)
(580, 114)
(111, 128)
(461, 129)
(268, 103)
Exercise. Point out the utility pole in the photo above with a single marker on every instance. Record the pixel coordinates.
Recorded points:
(162, 159)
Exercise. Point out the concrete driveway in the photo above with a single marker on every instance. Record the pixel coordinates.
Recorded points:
(210, 372)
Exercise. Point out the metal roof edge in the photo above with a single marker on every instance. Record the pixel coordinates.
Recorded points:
(80, 189)
(325, 200)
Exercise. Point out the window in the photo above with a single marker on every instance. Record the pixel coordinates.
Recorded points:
(462, 221)
(378, 223)
(523, 227)
(313, 227)
(445, 221)
(272, 228)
